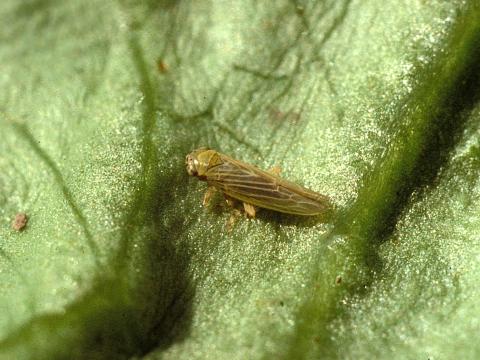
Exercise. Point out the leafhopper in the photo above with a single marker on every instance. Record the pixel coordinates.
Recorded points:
(253, 186)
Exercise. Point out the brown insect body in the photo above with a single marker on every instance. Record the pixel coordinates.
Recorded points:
(252, 185)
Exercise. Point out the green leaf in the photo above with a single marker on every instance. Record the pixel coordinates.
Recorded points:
(375, 104)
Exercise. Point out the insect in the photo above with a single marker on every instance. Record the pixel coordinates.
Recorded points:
(252, 186)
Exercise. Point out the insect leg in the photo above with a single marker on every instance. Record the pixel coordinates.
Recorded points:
(250, 209)
(208, 195)
(276, 170)
(232, 219)
(234, 215)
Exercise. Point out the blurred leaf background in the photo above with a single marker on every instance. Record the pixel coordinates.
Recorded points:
(376, 104)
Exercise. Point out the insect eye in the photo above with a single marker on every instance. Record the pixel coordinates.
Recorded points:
(191, 166)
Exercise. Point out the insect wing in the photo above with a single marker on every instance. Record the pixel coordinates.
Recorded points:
(257, 187)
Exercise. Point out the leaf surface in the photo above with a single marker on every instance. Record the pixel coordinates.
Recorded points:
(375, 104)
